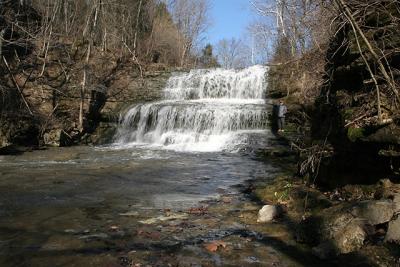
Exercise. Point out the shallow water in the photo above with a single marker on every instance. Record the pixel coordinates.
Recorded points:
(55, 203)
(156, 197)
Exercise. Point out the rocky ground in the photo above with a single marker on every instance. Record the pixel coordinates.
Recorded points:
(354, 225)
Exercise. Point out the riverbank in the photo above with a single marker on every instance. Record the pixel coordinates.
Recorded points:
(351, 225)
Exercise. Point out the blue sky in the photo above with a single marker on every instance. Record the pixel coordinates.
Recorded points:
(230, 18)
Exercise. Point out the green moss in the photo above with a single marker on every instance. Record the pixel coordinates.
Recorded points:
(355, 134)
(348, 113)
(275, 192)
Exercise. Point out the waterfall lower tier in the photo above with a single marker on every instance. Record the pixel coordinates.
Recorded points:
(205, 110)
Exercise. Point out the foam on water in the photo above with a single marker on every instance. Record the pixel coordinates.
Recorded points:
(204, 110)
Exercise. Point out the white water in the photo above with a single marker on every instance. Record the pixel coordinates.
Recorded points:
(204, 110)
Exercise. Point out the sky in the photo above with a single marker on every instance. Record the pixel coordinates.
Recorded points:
(230, 18)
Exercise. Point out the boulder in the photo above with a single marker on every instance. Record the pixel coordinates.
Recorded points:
(393, 232)
(352, 237)
(348, 239)
(344, 228)
(389, 190)
(396, 202)
(268, 212)
(340, 234)
(4, 142)
(374, 212)
(389, 134)
(57, 138)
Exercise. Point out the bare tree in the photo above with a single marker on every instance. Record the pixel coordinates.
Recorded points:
(192, 20)
(66, 39)
(232, 53)
(303, 23)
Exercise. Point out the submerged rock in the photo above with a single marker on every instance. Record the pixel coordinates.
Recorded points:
(268, 212)
(162, 218)
(99, 236)
(130, 214)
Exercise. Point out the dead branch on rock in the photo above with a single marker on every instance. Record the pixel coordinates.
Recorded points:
(357, 30)
(17, 86)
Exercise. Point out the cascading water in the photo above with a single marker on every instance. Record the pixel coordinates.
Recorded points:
(204, 110)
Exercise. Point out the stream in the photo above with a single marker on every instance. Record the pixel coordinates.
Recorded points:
(166, 187)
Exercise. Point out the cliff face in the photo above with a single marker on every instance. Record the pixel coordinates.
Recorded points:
(363, 129)
(126, 89)
(57, 124)
(41, 83)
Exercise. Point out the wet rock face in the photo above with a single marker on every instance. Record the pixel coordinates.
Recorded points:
(103, 134)
(346, 111)
(57, 138)
(98, 99)
(16, 130)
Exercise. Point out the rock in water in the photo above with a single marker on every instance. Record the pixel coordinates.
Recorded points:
(267, 213)
(393, 233)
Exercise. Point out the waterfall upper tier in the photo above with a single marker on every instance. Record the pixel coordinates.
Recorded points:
(203, 110)
(218, 83)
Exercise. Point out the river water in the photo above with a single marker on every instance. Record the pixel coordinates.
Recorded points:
(119, 204)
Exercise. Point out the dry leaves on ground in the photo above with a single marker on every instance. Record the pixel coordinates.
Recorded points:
(215, 245)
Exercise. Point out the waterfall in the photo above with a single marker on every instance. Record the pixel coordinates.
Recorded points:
(203, 110)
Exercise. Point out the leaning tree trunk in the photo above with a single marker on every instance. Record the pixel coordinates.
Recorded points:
(1, 41)
(347, 12)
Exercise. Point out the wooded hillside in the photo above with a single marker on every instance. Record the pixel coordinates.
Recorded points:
(59, 58)
(337, 65)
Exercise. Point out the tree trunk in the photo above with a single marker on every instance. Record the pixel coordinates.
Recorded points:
(1, 41)
(83, 88)
(137, 28)
(357, 28)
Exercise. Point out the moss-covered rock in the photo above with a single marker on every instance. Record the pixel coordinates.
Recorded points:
(354, 133)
